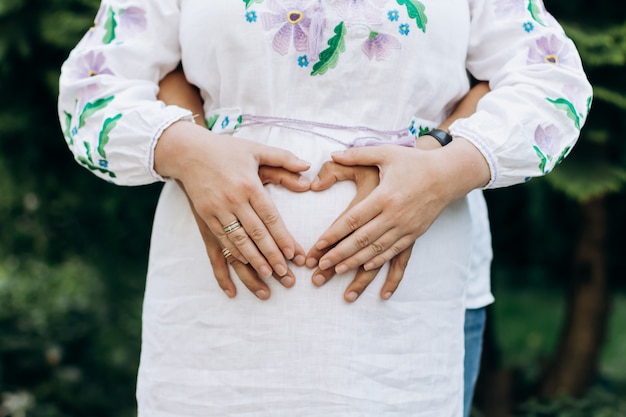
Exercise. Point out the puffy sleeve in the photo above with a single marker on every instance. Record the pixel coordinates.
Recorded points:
(107, 105)
(540, 95)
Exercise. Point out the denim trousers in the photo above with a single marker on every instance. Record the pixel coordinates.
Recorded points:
(473, 329)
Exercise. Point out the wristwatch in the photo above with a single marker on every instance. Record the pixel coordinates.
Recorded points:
(442, 136)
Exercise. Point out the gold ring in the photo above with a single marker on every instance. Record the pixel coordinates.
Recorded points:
(226, 253)
(229, 228)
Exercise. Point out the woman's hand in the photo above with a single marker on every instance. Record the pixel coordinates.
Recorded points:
(415, 187)
(220, 176)
(366, 179)
(245, 272)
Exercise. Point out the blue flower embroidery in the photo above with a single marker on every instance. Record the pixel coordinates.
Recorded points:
(74, 131)
(393, 15)
(103, 163)
(251, 16)
(404, 29)
(225, 122)
(528, 27)
(303, 61)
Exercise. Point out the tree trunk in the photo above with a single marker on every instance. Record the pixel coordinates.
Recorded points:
(577, 354)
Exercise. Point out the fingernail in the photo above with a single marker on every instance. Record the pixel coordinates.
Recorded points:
(311, 263)
(337, 153)
(387, 295)
(315, 182)
(369, 266)
(305, 162)
(262, 294)
(325, 264)
(280, 269)
(341, 269)
(321, 244)
(351, 296)
(287, 281)
(288, 252)
(303, 181)
(298, 260)
(265, 272)
(319, 280)
(229, 293)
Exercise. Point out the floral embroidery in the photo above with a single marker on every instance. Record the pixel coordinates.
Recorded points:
(547, 145)
(225, 122)
(518, 9)
(553, 51)
(251, 16)
(415, 9)
(330, 56)
(90, 65)
(293, 22)
(74, 124)
(528, 27)
(303, 24)
(114, 22)
(570, 103)
(379, 46)
(303, 61)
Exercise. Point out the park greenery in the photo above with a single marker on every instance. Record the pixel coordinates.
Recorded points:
(73, 249)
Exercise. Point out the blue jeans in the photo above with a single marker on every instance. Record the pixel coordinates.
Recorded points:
(474, 328)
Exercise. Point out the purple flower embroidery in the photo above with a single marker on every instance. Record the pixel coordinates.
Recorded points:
(90, 65)
(547, 139)
(552, 51)
(379, 46)
(132, 20)
(294, 23)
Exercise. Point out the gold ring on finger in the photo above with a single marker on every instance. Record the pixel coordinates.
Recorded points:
(226, 253)
(229, 228)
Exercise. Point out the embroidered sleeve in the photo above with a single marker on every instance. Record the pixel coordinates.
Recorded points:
(108, 110)
(540, 95)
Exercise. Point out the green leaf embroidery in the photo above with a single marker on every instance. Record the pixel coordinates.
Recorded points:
(109, 25)
(330, 55)
(210, 122)
(563, 104)
(93, 167)
(103, 138)
(589, 100)
(251, 2)
(543, 159)
(562, 155)
(88, 152)
(92, 107)
(416, 11)
(535, 11)
(423, 130)
(67, 132)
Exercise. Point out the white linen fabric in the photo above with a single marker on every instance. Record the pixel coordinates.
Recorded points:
(318, 67)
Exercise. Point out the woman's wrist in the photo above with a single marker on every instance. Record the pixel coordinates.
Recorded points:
(172, 148)
(464, 167)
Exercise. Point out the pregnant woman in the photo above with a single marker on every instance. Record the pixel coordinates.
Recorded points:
(291, 85)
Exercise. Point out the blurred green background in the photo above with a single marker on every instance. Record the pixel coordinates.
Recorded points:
(73, 249)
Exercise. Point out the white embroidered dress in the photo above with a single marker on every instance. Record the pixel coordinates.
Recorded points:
(380, 64)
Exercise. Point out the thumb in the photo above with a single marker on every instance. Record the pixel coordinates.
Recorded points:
(330, 173)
